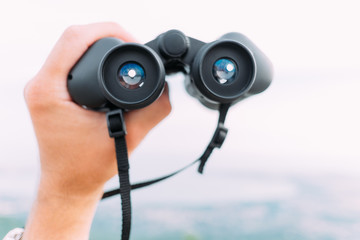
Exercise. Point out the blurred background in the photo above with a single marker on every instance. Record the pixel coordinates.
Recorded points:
(289, 168)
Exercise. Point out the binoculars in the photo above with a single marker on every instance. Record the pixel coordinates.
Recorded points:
(117, 75)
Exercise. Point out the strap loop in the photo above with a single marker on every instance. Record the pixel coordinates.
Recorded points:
(218, 137)
(116, 123)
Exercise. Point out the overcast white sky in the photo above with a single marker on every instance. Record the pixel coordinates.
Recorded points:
(307, 121)
(293, 33)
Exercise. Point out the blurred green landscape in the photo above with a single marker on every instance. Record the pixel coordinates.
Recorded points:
(314, 212)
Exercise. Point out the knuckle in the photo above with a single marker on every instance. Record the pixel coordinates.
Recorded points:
(114, 25)
(26, 91)
(165, 106)
(72, 33)
(34, 95)
(29, 91)
(168, 108)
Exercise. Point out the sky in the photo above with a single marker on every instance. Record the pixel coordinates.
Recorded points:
(306, 122)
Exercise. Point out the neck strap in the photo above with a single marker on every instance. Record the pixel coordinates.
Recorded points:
(117, 130)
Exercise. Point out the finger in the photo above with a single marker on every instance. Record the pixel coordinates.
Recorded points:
(75, 41)
(140, 122)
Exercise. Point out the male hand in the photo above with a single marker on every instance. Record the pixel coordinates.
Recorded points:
(76, 153)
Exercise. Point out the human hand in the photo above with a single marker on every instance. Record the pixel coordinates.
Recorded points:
(76, 153)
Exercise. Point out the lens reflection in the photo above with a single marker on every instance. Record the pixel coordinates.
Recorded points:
(224, 71)
(131, 76)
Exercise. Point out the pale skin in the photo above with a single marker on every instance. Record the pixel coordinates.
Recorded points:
(77, 155)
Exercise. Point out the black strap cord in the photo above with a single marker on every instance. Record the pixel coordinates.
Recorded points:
(147, 183)
(117, 130)
(216, 142)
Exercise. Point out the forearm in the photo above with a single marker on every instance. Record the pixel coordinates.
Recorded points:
(56, 215)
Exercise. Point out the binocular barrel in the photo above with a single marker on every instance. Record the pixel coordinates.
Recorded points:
(114, 74)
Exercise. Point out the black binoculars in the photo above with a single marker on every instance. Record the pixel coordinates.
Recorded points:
(113, 74)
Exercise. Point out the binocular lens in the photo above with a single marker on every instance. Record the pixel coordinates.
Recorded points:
(224, 71)
(131, 76)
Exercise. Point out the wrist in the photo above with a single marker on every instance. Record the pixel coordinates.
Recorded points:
(70, 186)
(59, 214)
(53, 191)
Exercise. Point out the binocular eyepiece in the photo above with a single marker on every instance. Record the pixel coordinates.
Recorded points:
(114, 74)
